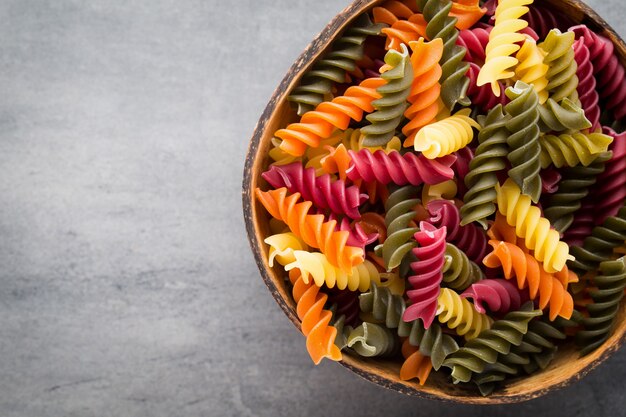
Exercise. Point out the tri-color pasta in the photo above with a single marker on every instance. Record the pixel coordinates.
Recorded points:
(449, 192)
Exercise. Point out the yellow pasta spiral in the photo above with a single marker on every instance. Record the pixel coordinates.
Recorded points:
(531, 68)
(502, 43)
(316, 265)
(446, 136)
(446, 190)
(282, 247)
(532, 227)
(459, 314)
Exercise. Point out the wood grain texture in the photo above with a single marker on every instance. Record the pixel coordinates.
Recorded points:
(567, 367)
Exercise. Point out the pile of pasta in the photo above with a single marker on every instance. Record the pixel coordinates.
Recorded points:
(451, 190)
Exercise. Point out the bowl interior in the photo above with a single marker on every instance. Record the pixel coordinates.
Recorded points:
(566, 368)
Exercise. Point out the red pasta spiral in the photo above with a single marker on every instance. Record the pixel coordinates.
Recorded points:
(475, 41)
(550, 178)
(428, 274)
(357, 237)
(610, 188)
(469, 238)
(587, 84)
(583, 223)
(322, 191)
(609, 73)
(461, 167)
(345, 303)
(482, 96)
(500, 295)
(399, 169)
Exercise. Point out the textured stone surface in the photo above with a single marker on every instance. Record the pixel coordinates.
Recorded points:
(127, 287)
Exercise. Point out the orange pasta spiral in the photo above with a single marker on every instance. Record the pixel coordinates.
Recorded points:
(415, 364)
(531, 274)
(500, 230)
(320, 335)
(425, 90)
(320, 123)
(467, 13)
(392, 11)
(405, 31)
(312, 228)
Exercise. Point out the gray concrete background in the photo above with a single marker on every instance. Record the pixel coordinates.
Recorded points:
(127, 287)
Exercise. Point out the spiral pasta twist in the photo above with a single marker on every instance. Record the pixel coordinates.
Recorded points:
(563, 68)
(572, 149)
(415, 364)
(458, 271)
(583, 223)
(405, 31)
(502, 44)
(460, 315)
(500, 295)
(470, 239)
(563, 116)
(391, 11)
(312, 228)
(282, 248)
(523, 140)
(370, 340)
(610, 192)
(587, 92)
(337, 113)
(609, 72)
(489, 159)
(454, 81)
(323, 192)
(531, 274)
(482, 96)
(427, 272)
(501, 230)
(474, 41)
(317, 266)
(389, 309)
(399, 169)
(446, 136)
(425, 90)
(390, 107)
(534, 229)
(598, 247)
(399, 210)
(576, 183)
(611, 283)
(535, 352)
(333, 67)
(532, 69)
(320, 335)
(477, 353)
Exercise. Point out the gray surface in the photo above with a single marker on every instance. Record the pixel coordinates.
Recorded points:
(127, 286)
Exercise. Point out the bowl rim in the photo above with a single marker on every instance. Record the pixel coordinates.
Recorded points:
(315, 48)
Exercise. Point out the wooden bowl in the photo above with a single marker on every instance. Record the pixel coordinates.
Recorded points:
(566, 368)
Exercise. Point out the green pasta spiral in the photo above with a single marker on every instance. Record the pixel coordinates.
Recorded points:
(489, 159)
(562, 79)
(611, 283)
(343, 330)
(388, 308)
(483, 350)
(535, 352)
(454, 81)
(318, 82)
(458, 271)
(399, 213)
(391, 106)
(571, 149)
(371, 340)
(599, 246)
(523, 141)
(559, 117)
(575, 185)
